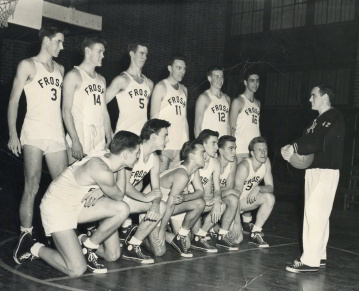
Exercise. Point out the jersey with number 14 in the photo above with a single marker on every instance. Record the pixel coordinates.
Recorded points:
(132, 104)
(247, 126)
(43, 118)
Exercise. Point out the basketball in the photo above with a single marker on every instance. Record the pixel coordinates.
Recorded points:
(301, 162)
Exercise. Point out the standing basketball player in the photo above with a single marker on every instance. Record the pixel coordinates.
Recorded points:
(71, 200)
(84, 107)
(42, 133)
(212, 106)
(325, 138)
(169, 102)
(132, 90)
(244, 115)
(250, 173)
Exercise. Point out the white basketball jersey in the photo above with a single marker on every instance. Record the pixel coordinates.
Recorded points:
(216, 116)
(132, 104)
(141, 168)
(43, 118)
(224, 176)
(253, 179)
(206, 173)
(87, 111)
(247, 126)
(173, 109)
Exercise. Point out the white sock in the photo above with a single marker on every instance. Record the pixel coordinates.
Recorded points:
(222, 231)
(90, 245)
(183, 232)
(256, 228)
(247, 219)
(26, 229)
(127, 223)
(35, 249)
(135, 241)
(201, 232)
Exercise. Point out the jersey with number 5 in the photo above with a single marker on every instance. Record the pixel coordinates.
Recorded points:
(132, 104)
(43, 118)
(253, 178)
(247, 126)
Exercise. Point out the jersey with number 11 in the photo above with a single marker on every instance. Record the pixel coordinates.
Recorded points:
(43, 118)
(132, 104)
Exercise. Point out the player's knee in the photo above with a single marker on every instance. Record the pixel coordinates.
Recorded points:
(269, 199)
(112, 255)
(159, 251)
(231, 200)
(200, 203)
(77, 270)
(120, 207)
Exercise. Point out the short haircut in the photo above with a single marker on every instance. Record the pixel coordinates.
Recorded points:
(223, 139)
(91, 41)
(133, 45)
(124, 140)
(153, 126)
(189, 147)
(214, 68)
(172, 59)
(248, 73)
(254, 141)
(206, 134)
(325, 89)
(50, 31)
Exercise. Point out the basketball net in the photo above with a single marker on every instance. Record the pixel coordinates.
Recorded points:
(7, 8)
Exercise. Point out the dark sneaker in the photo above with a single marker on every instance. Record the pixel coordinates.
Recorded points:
(257, 240)
(323, 263)
(247, 227)
(211, 236)
(123, 232)
(299, 267)
(200, 243)
(134, 253)
(22, 250)
(91, 260)
(224, 242)
(90, 230)
(180, 245)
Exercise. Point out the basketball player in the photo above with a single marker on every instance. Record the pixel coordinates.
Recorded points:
(169, 102)
(212, 106)
(244, 120)
(325, 138)
(70, 200)
(174, 187)
(154, 137)
(219, 208)
(42, 133)
(250, 173)
(84, 108)
(132, 90)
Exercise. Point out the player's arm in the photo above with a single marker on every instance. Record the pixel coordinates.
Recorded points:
(62, 70)
(217, 194)
(236, 108)
(106, 120)
(198, 189)
(259, 105)
(268, 179)
(229, 131)
(201, 106)
(25, 70)
(229, 188)
(72, 82)
(117, 85)
(185, 112)
(158, 93)
(241, 176)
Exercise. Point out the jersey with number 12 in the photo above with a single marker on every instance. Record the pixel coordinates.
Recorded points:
(132, 104)
(43, 118)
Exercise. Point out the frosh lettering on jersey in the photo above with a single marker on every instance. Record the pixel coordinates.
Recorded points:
(49, 81)
(204, 180)
(138, 92)
(94, 88)
(252, 110)
(220, 107)
(177, 100)
(138, 176)
(248, 184)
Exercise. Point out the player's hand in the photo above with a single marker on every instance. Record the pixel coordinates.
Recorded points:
(77, 150)
(153, 214)
(14, 145)
(155, 193)
(252, 196)
(178, 199)
(216, 212)
(92, 197)
(287, 151)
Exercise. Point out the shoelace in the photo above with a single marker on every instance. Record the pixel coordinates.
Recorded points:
(139, 252)
(183, 243)
(297, 263)
(25, 256)
(204, 242)
(93, 258)
(226, 239)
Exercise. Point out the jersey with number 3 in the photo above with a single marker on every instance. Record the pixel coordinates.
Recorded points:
(253, 178)
(174, 110)
(132, 104)
(43, 118)
(247, 126)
